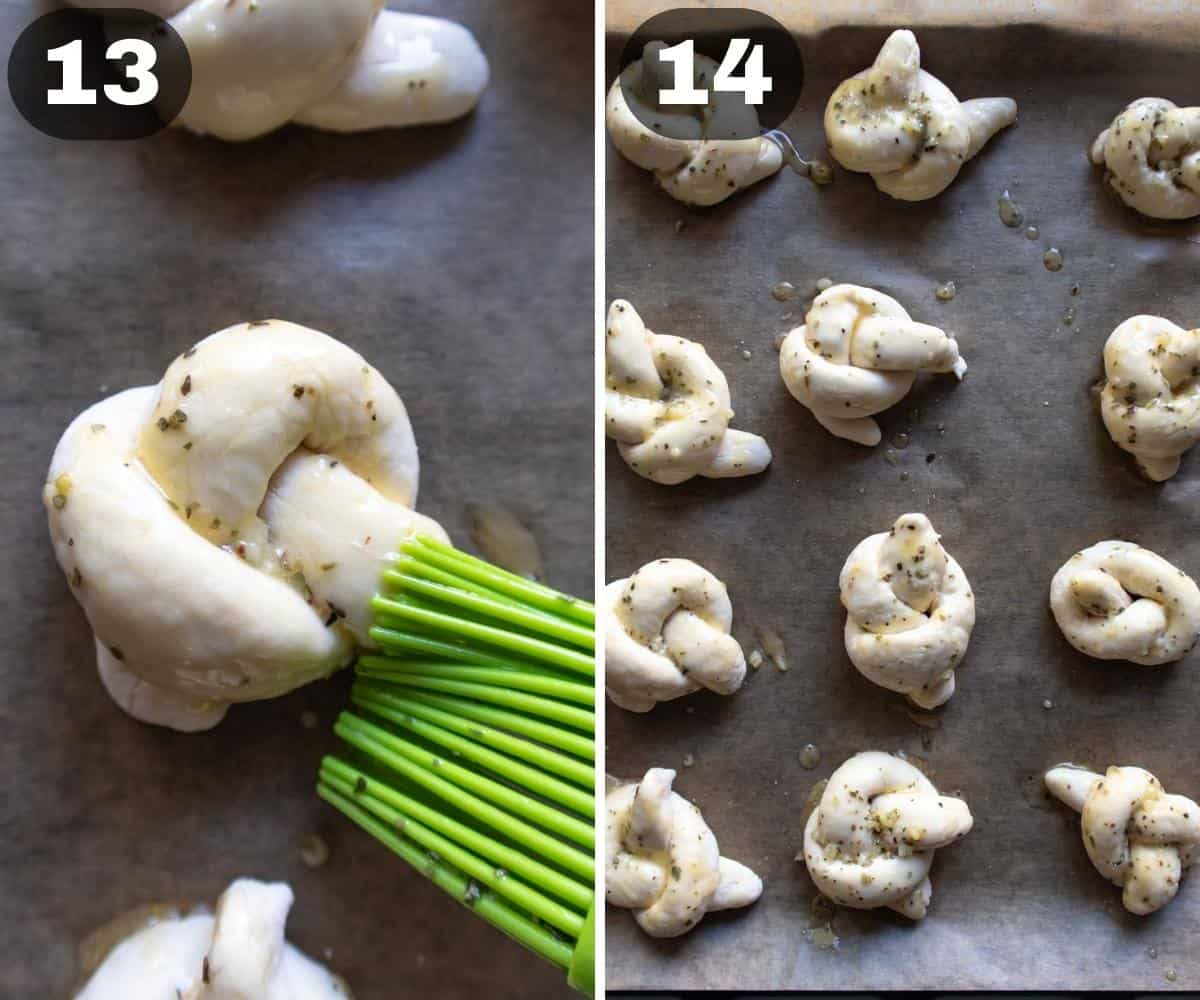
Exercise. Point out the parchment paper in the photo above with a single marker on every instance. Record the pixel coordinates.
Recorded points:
(1023, 475)
(455, 259)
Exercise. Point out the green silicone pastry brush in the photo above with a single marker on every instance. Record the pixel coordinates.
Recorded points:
(471, 745)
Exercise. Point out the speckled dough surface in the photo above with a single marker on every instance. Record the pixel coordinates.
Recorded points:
(666, 634)
(1136, 835)
(858, 353)
(904, 127)
(668, 406)
(662, 860)
(870, 840)
(694, 169)
(344, 67)
(909, 611)
(1118, 601)
(1150, 402)
(1151, 158)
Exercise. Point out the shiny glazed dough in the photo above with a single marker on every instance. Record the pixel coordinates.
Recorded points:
(1135, 834)
(1151, 156)
(662, 858)
(1118, 601)
(696, 170)
(858, 353)
(240, 954)
(667, 406)
(871, 839)
(666, 633)
(342, 66)
(1151, 396)
(909, 611)
(225, 530)
(905, 127)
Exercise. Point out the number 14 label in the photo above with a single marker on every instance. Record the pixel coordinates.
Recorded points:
(752, 84)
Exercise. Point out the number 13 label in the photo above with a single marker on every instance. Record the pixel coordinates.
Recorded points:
(111, 73)
(138, 72)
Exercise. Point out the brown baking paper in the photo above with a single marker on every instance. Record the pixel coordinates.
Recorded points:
(1015, 470)
(461, 267)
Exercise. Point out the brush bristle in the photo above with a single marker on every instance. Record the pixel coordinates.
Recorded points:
(471, 743)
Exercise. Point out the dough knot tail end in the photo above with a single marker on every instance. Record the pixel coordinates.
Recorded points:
(905, 127)
(470, 745)
(871, 839)
(662, 859)
(695, 157)
(1136, 835)
(1150, 401)
(1151, 156)
(1118, 601)
(909, 611)
(667, 406)
(666, 632)
(858, 353)
(239, 952)
(345, 67)
(225, 529)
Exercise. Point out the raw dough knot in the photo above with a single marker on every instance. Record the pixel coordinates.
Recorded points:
(909, 611)
(225, 530)
(667, 406)
(693, 169)
(666, 633)
(1151, 397)
(857, 354)
(662, 859)
(1118, 601)
(1151, 155)
(344, 66)
(1136, 835)
(905, 127)
(870, 841)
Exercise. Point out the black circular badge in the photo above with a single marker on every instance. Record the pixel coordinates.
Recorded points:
(724, 66)
(120, 74)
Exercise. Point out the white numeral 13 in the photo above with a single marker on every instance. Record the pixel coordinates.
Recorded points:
(138, 72)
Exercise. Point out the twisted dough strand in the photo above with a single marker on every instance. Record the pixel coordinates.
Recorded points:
(905, 127)
(1151, 396)
(225, 530)
(870, 841)
(857, 354)
(909, 611)
(667, 406)
(339, 65)
(663, 860)
(666, 634)
(693, 169)
(1151, 156)
(1135, 834)
(1117, 601)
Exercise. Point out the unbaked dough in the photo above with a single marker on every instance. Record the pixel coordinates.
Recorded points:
(662, 860)
(1136, 835)
(905, 127)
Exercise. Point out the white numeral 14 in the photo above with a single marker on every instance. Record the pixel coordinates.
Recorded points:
(138, 72)
(752, 83)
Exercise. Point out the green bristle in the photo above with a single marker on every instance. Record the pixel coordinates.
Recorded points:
(471, 745)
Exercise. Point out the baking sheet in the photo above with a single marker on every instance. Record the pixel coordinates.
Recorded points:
(456, 262)
(1016, 471)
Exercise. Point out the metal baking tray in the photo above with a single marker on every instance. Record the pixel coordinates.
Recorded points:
(1013, 466)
